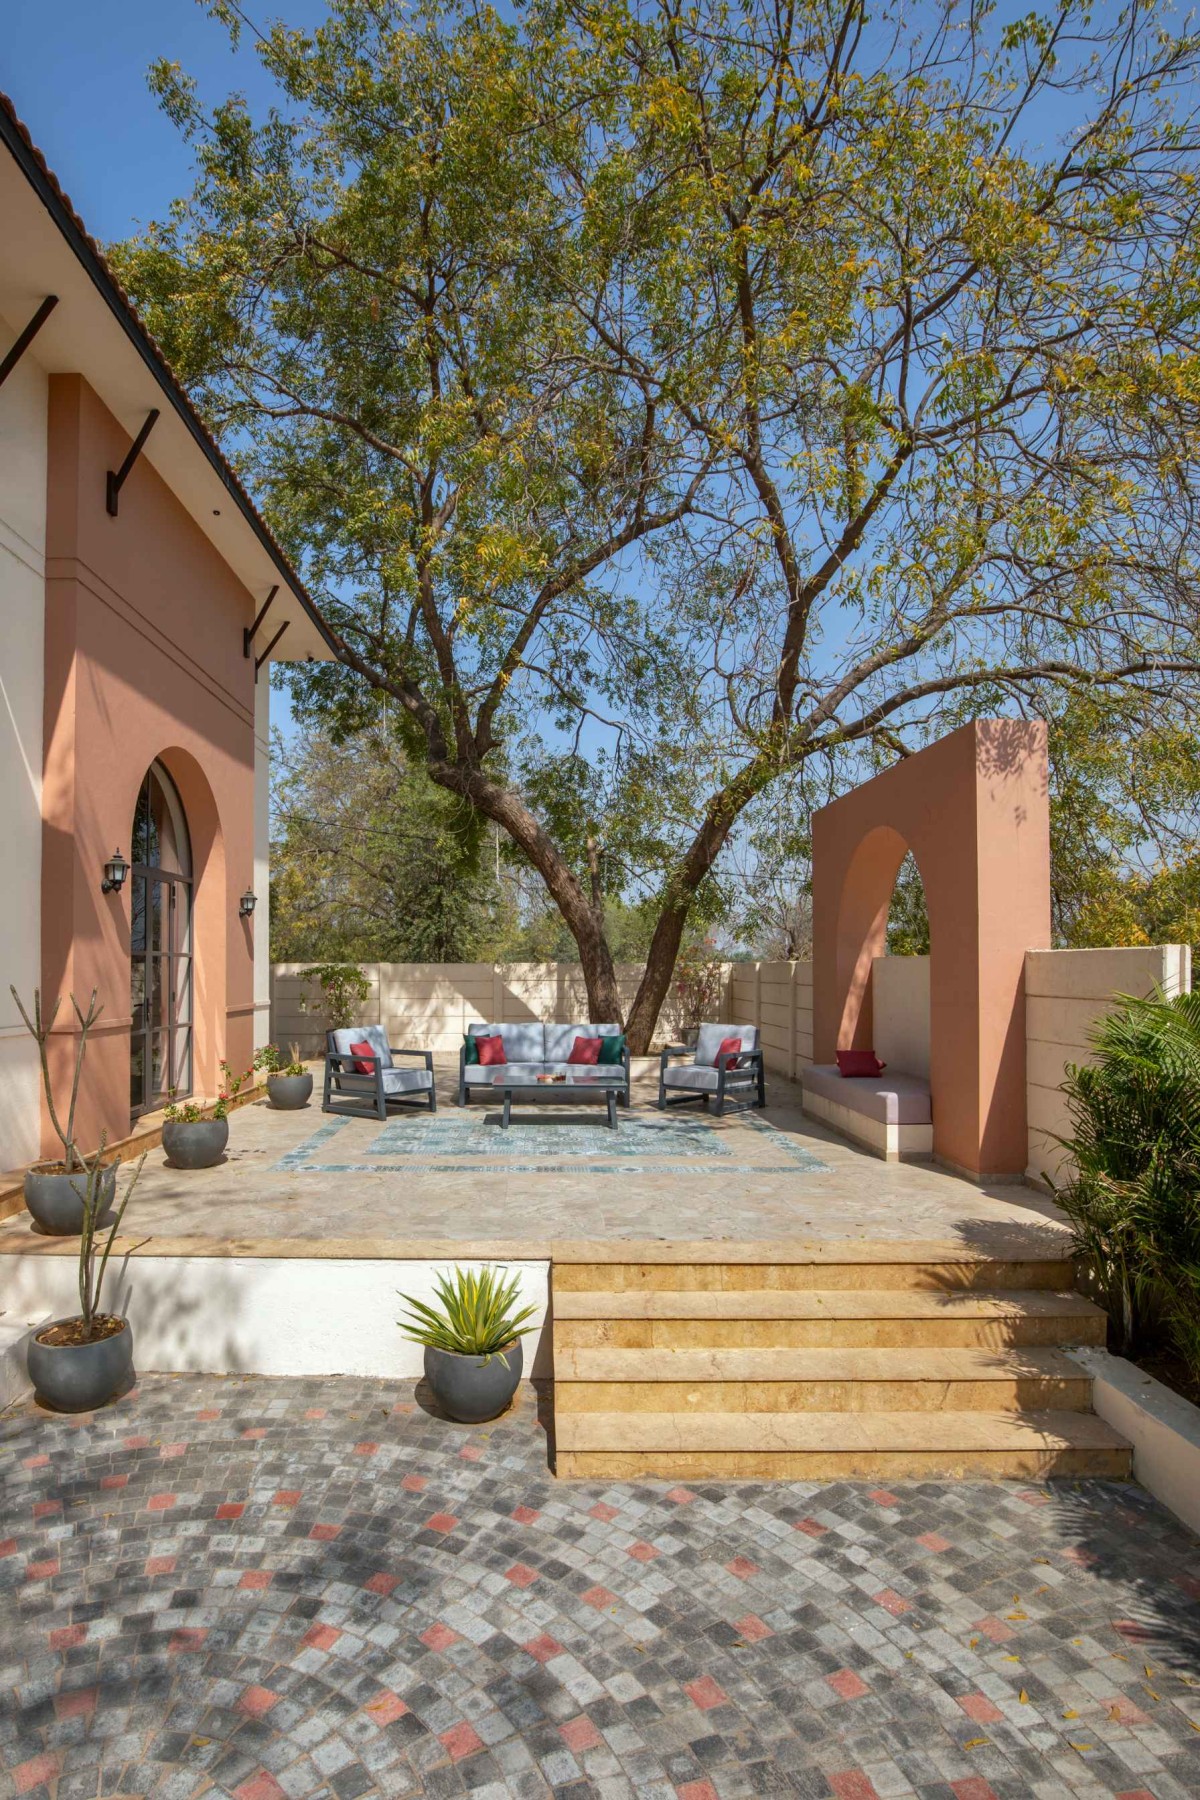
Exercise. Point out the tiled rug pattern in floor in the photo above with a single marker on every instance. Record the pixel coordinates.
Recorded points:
(266, 1589)
(473, 1142)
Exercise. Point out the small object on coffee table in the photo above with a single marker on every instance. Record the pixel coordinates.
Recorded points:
(574, 1089)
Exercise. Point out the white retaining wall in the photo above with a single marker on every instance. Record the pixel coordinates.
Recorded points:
(253, 1315)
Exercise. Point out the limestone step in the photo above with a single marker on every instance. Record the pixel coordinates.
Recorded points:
(832, 1446)
(828, 1381)
(761, 1318)
(895, 1266)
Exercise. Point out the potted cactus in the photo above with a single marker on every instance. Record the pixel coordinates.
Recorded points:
(54, 1189)
(77, 1363)
(289, 1084)
(472, 1342)
(194, 1140)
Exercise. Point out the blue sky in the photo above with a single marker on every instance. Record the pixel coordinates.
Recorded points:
(76, 71)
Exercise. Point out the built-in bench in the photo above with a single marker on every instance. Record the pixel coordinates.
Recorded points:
(889, 1114)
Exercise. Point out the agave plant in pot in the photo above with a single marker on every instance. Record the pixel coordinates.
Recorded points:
(54, 1189)
(472, 1339)
(289, 1084)
(77, 1363)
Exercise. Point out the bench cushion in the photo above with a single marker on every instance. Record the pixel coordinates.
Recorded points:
(711, 1037)
(894, 1099)
(524, 1042)
(561, 1038)
(375, 1035)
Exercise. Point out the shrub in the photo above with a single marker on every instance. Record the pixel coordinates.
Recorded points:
(1134, 1200)
(698, 990)
(475, 1317)
(343, 986)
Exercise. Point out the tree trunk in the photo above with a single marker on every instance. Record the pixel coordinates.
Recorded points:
(656, 979)
(584, 920)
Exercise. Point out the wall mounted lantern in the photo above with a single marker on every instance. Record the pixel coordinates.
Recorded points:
(247, 903)
(115, 871)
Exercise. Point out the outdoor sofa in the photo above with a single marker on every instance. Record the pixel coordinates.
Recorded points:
(532, 1049)
(734, 1078)
(365, 1086)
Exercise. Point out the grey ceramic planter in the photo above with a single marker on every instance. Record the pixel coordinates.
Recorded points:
(470, 1389)
(80, 1377)
(55, 1201)
(288, 1093)
(195, 1145)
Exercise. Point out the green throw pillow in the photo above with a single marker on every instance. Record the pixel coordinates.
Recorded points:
(471, 1048)
(612, 1048)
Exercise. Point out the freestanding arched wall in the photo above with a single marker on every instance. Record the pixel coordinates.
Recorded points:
(974, 811)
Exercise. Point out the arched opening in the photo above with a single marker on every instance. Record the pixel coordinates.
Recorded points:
(160, 946)
(900, 980)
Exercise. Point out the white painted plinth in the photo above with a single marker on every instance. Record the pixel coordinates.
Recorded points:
(258, 1315)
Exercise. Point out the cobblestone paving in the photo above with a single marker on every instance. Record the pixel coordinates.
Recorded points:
(268, 1588)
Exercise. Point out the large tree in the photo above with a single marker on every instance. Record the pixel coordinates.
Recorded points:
(731, 387)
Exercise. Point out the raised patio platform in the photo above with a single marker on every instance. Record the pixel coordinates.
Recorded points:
(776, 1301)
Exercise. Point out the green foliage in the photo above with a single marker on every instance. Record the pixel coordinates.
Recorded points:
(908, 920)
(698, 990)
(343, 986)
(664, 400)
(271, 1061)
(475, 1316)
(91, 1278)
(190, 1112)
(1134, 1203)
(371, 861)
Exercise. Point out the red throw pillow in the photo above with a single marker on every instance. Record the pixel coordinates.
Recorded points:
(491, 1051)
(585, 1050)
(728, 1047)
(363, 1049)
(859, 1062)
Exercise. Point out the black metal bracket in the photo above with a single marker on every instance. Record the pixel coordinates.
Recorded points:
(250, 633)
(260, 660)
(117, 482)
(14, 355)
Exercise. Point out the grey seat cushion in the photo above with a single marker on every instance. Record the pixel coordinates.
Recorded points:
(893, 1099)
(477, 1074)
(406, 1081)
(690, 1075)
(711, 1037)
(560, 1039)
(525, 1042)
(375, 1035)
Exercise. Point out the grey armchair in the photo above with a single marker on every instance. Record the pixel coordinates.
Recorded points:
(735, 1079)
(365, 1094)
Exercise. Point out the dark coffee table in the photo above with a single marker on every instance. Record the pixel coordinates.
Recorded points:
(580, 1088)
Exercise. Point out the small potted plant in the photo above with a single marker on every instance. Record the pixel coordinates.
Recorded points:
(77, 1363)
(192, 1141)
(290, 1084)
(54, 1189)
(473, 1352)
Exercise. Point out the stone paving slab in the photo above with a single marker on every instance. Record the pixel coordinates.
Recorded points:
(308, 1178)
(272, 1589)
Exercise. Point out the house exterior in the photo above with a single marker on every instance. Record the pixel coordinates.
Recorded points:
(133, 715)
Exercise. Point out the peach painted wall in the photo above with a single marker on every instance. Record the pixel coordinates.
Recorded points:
(143, 659)
(974, 810)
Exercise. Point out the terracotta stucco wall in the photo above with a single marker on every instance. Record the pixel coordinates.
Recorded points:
(143, 659)
(973, 809)
(22, 604)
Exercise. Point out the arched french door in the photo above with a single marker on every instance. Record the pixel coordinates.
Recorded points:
(160, 975)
